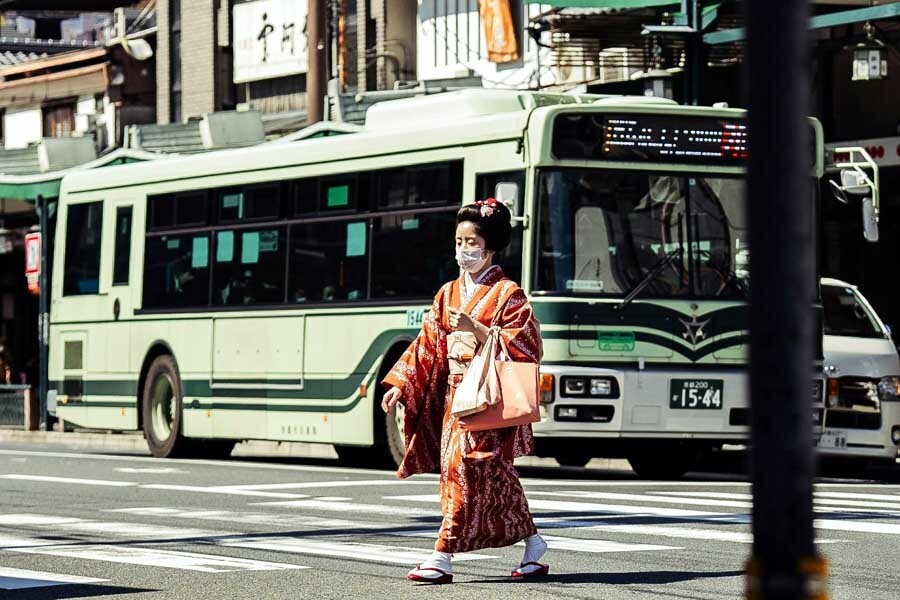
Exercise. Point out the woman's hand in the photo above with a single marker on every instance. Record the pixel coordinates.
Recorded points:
(390, 399)
(461, 321)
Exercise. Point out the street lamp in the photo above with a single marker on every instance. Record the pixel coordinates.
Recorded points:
(869, 58)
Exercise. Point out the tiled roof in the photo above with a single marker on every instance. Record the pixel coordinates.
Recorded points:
(180, 138)
(9, 58)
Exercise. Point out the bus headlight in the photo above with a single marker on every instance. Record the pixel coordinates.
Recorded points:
(601, 387)
(889, 389)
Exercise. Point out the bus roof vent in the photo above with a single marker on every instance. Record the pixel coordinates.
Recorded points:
(441, 108)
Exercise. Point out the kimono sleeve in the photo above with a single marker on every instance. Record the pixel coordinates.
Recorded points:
(520, 329)
(411, 372)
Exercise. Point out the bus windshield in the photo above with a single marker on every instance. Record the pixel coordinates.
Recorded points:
(604, 232)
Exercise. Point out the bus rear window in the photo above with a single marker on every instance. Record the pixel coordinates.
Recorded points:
(84, 228)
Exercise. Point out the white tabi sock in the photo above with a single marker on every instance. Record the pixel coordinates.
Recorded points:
(440, 560)
(535, 548)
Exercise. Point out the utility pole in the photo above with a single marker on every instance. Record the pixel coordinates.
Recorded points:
(784, 564)
(316, 77)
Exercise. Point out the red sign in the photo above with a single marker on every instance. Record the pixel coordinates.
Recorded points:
(33, 261)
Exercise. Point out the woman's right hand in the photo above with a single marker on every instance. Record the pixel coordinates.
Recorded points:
(391, 397)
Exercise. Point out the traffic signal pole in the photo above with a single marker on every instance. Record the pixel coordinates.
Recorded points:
(784, 564)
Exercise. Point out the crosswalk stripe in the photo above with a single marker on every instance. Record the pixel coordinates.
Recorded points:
(676, 531)
(282, 520)
(355, 507)
(559, 542)
(592, 507)
(21, 579)
(190, 561)
(68, 480)
(225, 490)
(820, 498)
(352, 550)
(114, 528)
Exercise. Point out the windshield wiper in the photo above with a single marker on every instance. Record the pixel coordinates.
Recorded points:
(650, 276)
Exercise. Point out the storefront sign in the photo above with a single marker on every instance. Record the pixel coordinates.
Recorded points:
(33, 261)
(884, 151)
(269, 39)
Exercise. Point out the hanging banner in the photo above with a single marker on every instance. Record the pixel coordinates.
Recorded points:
(499, 30)
(33, 262)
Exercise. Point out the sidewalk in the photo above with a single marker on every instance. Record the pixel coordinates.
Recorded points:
(133, 443)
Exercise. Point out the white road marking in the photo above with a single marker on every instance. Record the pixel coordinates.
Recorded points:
(327, 484)
(231, 463)
(226, 490)
(824, 500)
(632, 483)
(282, 520)
(189, 561)
(860, 526)
(114, 528)
(154, 470)
(675, 531)
(354, 551)
(68, 480)
(891, 497)
(21, 579)
(558, 542)
(590, 507)
(362, 509)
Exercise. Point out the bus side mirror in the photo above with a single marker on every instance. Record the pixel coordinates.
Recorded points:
(870, 221)
(507, 192)
(853, 182)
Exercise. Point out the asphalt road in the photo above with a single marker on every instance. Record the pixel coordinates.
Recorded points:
(81, 525)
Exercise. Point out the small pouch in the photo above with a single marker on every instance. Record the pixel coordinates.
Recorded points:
(461, 347)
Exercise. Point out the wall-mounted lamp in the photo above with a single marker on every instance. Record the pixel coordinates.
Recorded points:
(869, 58)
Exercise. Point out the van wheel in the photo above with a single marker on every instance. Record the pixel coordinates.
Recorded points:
(573, 459)
(161, 409)
(666, 460)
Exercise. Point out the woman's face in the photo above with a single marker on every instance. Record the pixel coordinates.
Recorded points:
(467, 238)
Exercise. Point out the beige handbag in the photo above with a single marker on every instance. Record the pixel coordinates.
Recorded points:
(473, 393)
(508, 392)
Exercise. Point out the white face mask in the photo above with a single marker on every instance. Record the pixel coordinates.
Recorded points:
(470, 260)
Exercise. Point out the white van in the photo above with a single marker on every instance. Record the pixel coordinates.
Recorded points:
(862, 402)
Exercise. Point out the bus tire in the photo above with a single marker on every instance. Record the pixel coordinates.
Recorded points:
(394, 431)
(665, 460)
(161, 409)
(573, 459)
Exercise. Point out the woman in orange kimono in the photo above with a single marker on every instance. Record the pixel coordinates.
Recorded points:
(482, 501)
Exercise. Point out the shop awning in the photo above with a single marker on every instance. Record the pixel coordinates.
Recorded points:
(29, 187)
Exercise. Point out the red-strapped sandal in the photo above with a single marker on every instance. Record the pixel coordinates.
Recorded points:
(444, 576)
(541, 570)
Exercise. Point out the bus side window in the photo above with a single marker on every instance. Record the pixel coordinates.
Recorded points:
(84, 228)
(122, 257)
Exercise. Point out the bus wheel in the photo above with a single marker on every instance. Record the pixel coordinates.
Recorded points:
(573, 459)
(161, 408)
(666, 460)
(394, 429)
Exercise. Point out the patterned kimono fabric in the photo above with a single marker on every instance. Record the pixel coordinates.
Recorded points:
(482, 501)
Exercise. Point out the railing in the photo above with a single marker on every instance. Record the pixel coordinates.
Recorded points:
(14, 407)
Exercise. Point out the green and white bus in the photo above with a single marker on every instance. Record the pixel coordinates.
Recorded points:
(262, 293)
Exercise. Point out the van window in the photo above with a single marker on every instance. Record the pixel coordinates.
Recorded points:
(84, 228)
(845, 315)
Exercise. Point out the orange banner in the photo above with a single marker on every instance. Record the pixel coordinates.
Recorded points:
(499, 30)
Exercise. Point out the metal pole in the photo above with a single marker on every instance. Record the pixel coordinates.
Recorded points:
(693, 72)
(316, 78)
(784, 564)
(43, 312)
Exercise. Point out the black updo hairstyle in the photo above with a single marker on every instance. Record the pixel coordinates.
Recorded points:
(496, 228)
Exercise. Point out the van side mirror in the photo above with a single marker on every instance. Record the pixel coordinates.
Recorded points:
(870, 220)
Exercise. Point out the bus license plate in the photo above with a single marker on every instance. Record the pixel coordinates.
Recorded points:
(696, 393)
(833, 438)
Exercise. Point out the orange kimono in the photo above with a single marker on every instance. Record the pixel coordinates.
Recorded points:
(482, 501)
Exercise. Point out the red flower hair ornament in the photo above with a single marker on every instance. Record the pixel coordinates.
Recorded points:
(486, 207)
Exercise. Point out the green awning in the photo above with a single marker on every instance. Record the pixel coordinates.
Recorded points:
(616, 4)
(29, 190)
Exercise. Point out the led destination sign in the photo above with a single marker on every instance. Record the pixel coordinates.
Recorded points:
(658, 138)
